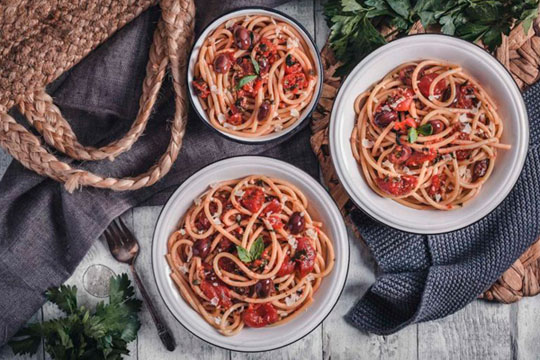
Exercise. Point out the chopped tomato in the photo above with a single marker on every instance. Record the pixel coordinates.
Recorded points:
(435, 186)
(419, 157)
(425, 83)
(287, 267)
(464, 96)
(273, 207)
(253, 199)
(266, 49)
(252, 87)
(295, 82)
(403, 126)
(276, 222)
(235, 119)
(201, 88)
(263, 260)
(259, 315)
(401, 100)
(304, 256)
(292, 65)
(397, 186)
(220, 292)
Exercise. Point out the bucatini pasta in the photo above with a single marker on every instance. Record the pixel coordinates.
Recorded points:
(427, 135)
(254, 75)
(249, 253)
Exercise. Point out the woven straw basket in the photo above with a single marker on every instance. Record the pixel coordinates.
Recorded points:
(42, 39)
(520, 53)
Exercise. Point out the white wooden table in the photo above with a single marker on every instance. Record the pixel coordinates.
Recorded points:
(480, 331)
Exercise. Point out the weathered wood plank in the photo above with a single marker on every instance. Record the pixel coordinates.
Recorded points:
(149, 345)
(479, 331)
(341, 340)
(321, 29)
(524, 328)
(93, 283)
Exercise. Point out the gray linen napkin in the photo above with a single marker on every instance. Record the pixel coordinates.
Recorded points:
(44, 231)
(428, 277)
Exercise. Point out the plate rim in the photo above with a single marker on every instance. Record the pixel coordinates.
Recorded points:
(522, 150)
(341, 225)
(253, 141)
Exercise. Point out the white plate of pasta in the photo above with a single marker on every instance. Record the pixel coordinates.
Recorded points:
(429, 134)
(250, 254)
(254, 75)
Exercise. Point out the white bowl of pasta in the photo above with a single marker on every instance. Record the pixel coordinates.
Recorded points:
(429, 134)
(250, 254)
(254, 75)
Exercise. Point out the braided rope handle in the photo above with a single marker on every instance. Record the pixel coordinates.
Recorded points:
(172, 40)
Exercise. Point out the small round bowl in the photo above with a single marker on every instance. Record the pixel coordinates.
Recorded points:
(250, 11)
(495, 79)
(324, 209)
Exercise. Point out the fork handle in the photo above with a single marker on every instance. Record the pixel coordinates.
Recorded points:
(163, 331)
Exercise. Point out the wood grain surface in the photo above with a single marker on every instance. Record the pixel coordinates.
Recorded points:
(480, 331)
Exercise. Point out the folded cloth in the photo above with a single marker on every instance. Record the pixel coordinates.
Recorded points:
(44, 231)
(428, 277)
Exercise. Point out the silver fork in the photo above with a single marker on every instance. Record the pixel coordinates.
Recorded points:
(125, 248)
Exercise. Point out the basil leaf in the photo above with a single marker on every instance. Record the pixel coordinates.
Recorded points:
(255, 65)
(425, 130)
(257, 249)
(245, 80)
(243, 254)
(412, 135)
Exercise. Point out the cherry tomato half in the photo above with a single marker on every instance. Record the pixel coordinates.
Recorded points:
(259, 315)
(425, 83)
(253, 199)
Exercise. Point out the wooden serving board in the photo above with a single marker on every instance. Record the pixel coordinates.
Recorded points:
(519, 53)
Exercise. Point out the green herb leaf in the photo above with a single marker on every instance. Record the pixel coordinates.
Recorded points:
(245, 80)
(255, 65)
(354, 24)
(101, 334)
(254, 253)
(243, 254)
(65, 297)
(425, 129)
(257, 248)
(412, 135)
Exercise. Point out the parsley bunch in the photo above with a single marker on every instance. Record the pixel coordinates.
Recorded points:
(353, 23)
(82, 334)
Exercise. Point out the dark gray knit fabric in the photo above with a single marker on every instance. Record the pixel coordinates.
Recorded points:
(428, 277)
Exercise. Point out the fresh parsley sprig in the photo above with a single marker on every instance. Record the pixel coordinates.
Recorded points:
(82, 334)
(252, 254)
(354, 23)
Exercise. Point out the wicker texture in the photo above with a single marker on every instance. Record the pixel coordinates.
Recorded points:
(41, 40)
(520, 53)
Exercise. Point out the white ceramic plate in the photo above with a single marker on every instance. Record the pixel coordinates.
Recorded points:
(321, 204)
(495, 80)
(250, 11)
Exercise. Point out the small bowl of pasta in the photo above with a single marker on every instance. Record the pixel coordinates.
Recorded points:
(255, 75)
(250, 258)
(429, 133)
